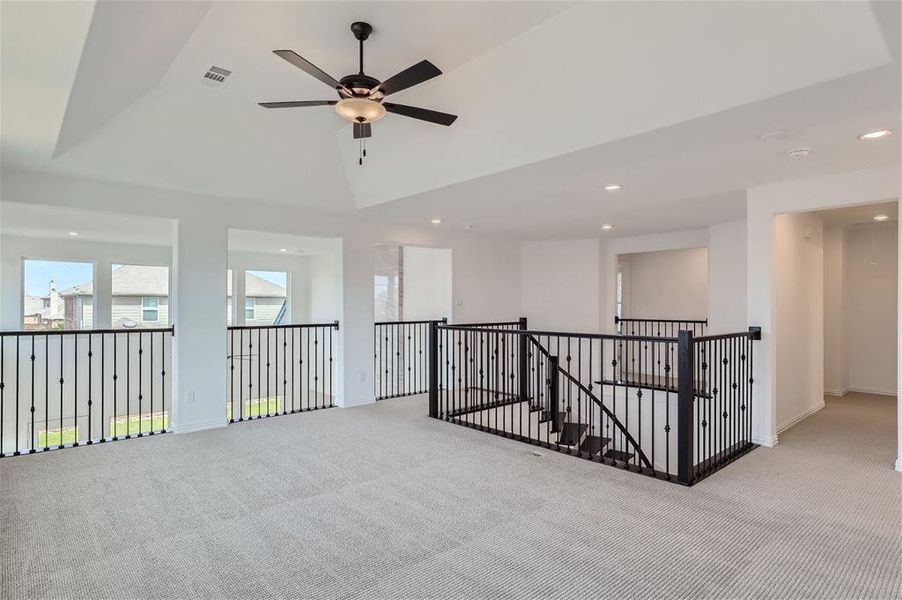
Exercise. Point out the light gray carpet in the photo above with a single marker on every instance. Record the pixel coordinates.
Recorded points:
(381, 502)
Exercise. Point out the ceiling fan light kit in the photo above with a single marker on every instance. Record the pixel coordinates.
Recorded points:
(361, 96)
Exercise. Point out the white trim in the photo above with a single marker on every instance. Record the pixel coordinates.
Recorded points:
(766, 442)
(899, 464)
(878, 391)
(200, 426)
(839, 393)
(800, 417)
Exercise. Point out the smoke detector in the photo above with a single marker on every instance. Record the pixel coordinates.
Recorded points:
(216, 76)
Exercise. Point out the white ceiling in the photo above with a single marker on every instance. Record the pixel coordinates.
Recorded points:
(555, 99)
(273, 243)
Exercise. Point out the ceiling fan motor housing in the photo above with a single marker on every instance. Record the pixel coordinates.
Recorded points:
(359, 84)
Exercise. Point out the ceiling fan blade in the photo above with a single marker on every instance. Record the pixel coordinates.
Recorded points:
(409, 77)
(423, 114)
(298, 103)
(308, 67)
(362, 130)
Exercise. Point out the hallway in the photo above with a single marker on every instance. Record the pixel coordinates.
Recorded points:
(380, 501)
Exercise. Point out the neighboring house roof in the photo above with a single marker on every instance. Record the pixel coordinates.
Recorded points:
(129, 280)
(133, 280)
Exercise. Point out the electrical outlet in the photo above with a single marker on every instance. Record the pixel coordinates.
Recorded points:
(363, 377)
(189, 397)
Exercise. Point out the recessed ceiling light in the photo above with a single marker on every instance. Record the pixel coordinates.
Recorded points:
(73, 233)
(435, 221)
(875, 135)
(775, 135)
(607, 227)
(799, 153)
(881, 217)
(613, 187)
(283, 249)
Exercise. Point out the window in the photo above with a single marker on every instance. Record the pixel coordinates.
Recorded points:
(57, 295)
(140, 296)
(265, 297)
(150, 309)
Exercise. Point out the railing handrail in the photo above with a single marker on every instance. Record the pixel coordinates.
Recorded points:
(754, 333)
(333, 324)
(484, 325)
(28, 333)
(420, 322)
(632, 320)
(572, 334)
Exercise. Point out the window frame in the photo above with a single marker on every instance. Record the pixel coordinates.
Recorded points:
(252, 308)
(145, 309)
(44, 258)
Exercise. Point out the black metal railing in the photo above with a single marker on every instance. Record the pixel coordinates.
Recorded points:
(67, 388)
(280, 369)
(659, 327)
(400, 360)
(720, 421)
(570, 392)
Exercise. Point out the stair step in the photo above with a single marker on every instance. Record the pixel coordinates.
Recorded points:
(594, 444)
(572, 433)
(619, 455)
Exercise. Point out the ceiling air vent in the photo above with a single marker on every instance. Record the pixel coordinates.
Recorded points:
(216, 76)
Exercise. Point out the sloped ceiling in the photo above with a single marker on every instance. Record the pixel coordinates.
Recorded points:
(552, 96)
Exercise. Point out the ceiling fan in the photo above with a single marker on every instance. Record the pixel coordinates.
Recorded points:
(361, 96)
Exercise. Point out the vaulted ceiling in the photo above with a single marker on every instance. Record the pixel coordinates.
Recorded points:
(555, 100)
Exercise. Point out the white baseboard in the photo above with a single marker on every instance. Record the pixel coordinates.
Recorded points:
(877, 391)
(766, 442)
(801, 416)
(193, 427)
(841, 392)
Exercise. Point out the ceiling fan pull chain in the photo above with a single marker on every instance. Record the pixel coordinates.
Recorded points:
(364, 147)
(360, 153)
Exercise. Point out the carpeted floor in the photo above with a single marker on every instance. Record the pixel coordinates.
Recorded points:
(381, 502)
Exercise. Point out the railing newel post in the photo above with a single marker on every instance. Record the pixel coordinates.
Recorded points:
(685, 400)
(433, 369)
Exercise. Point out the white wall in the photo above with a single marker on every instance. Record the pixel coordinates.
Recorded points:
(561, 282)
(612, 248)
(799, 284)
(322, 288)
(871, 307)
(668, 284)
(763, 203)
(727, 278)
(486, 279)
(836, 364)
(427, 283)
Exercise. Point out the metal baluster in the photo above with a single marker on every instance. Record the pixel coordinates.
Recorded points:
(128, 383)
(140, 384)
(31, 447)
(46, 396)
(232, 374)
(115, 431)
(90, 398)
